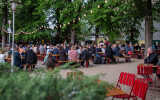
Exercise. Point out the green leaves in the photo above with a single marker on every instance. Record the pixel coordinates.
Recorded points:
(42, 85)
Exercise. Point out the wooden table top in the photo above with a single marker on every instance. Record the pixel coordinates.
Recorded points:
(155, 66)
(55, 55)
(115, 92)
(100, 52)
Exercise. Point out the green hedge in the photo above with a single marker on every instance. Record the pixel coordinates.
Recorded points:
(48, 85)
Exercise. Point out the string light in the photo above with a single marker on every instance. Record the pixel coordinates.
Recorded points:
(42, 27)
(91, 11)
(79, 18)
(73, 20)
(84, 15)
(98, 6)
(105, 1)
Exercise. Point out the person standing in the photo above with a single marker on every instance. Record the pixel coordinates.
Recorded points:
(85, 57)
(42, 50)
(31, 59)
(17, 58)
(50, 62)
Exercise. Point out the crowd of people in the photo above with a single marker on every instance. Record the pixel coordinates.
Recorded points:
(26, 56)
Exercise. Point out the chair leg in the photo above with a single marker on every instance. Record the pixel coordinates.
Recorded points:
(112, 98)
(135, 98)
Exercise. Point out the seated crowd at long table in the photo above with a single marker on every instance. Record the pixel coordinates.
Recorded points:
(53, 55)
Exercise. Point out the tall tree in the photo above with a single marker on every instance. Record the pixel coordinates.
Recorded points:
(149, 11)
(4, 20)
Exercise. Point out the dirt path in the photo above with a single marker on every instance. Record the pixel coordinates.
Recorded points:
(111, 74)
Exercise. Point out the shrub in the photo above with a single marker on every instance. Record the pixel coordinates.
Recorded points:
(50, 85)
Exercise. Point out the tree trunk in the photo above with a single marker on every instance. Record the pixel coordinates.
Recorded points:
(73, 36)
(4, 21)
(148, 33)
(96, 34)
(3, 40)
(148, 26)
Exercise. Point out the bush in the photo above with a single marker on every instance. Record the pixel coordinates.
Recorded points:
(42, 85)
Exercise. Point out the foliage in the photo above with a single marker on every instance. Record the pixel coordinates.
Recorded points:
(5, 69)
(114, 17)
(41, 85)
(34, 37)
(111, 17)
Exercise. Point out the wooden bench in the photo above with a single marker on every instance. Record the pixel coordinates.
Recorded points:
(74, 75)
(124, 57)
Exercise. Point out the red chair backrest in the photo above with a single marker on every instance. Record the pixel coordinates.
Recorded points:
(126, 79)
(131, 79)
(158, 71)
(148, 70)
(140, 88)
(121, 78)
(144, 69)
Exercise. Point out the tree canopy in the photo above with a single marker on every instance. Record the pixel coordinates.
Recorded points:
(75, 18)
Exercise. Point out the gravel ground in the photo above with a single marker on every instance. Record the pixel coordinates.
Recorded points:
(110, 73)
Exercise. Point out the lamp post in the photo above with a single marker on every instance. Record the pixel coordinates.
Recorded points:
(13, 12)
(9, 32)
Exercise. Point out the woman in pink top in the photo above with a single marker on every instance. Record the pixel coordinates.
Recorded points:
(73, 54)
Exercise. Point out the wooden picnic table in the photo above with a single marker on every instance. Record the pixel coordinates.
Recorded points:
(8, 60)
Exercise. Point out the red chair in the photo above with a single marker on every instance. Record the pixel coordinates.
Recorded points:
(125, 79)
(139, 90)
(146, 71)
(158, 74)
(158, 71)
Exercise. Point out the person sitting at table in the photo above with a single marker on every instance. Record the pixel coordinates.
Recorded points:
(137, 47)
(50, 62)
(152, 57)
(62, 54)
(116, 50)
(2, 56)
(98, 58)
(109, 53)
(73, 54)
